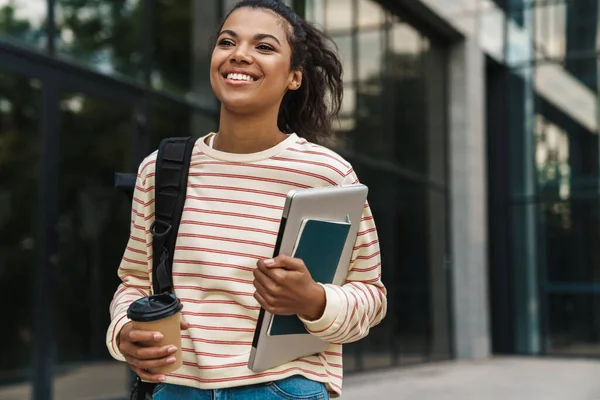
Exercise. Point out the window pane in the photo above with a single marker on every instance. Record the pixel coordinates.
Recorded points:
(370, 14)
(315, 12)
(370, 55)
(346, 51)
(573, 324)
(24, 20)
(105, 36)
(19, 183)
(174, 119)
(339, 15)
(93, 229)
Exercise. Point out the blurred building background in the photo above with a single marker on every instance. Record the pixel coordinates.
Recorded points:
(474, 122)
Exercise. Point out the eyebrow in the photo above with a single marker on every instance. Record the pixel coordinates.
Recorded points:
(258, 36)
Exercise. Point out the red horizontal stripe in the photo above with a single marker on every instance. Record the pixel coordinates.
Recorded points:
(365, 280)
(251, 178)
(201, 353)
(213, 277)
(202, 289)
(219, 342)
(366, 257)
(222, 328)
(319, 164)
(230, 302)
(219, 315)
(360, 246)
(232, 201)
(213, 264)
(230, 214)
(228, 253)
(367, 231)
(239, 189)
(129, 260)
(143, 278)
(224, 366)
(367, 269)
(226, 239)
(232, 227)
(272, 168)
(321, 153)
(137, 239)
(136, 250)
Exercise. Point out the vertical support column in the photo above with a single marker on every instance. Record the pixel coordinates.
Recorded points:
(45, 334)
(468, 200)
(523, 179)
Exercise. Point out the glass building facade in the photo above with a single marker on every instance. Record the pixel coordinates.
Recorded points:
(543, 128)
(88, 88)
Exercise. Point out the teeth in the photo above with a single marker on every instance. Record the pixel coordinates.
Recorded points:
(240, 77)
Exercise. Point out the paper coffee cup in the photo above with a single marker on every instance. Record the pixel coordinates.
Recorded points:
(160, 313)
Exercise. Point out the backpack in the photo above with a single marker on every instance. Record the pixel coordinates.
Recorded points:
(170, 186)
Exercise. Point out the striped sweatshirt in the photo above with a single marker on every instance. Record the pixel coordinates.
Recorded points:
(230, 220)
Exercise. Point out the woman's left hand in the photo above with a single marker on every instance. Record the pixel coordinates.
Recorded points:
(284, 287)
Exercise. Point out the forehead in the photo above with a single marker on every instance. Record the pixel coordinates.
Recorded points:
(251, 21)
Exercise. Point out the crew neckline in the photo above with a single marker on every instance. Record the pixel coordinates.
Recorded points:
(248, 157)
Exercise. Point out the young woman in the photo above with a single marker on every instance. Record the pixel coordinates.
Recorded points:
(275, 76)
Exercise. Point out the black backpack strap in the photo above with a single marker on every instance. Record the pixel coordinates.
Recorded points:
(172, 168)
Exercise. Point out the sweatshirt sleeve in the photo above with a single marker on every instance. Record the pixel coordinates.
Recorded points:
(136, 265)
(361, 303)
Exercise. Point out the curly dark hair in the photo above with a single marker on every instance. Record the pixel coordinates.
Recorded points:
(311, 110)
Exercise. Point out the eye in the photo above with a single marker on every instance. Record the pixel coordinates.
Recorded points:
(225, 42)
(265, 47)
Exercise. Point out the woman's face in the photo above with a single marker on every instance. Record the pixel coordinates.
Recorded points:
(250, 65)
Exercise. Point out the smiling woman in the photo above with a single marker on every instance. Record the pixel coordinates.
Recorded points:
(280, 87)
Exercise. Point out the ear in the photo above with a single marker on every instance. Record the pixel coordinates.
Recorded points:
(295, 80)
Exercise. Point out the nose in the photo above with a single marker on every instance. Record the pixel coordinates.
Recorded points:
(240, 55)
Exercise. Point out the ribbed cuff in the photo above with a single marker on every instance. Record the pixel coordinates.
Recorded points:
(329, 321)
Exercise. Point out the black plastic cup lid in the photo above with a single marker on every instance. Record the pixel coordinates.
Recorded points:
(153, 308)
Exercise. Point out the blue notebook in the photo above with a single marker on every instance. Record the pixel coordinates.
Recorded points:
(319, 245)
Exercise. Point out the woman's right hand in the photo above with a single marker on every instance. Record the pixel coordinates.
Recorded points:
(142, 354)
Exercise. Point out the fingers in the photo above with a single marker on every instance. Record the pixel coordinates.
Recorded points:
(149, 360)
(185, 325)
(136, 335)
(148, 376)
(266, 284)
(286, 262)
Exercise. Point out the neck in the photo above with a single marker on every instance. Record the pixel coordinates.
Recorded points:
(244, 134)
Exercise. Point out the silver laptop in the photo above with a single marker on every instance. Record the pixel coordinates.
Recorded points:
(334, 203)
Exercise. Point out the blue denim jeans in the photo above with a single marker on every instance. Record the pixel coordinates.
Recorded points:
(293, 388)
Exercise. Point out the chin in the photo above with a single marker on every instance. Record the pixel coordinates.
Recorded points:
(240, 106)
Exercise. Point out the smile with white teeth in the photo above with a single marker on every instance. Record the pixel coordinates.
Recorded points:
(240, 77)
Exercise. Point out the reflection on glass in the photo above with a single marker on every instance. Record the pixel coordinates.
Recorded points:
(105, 36)
(573, 327)
(315, 12)
(93, 228)
(550, 29)
(19, 183)
(171, 119)
(552, 158)
(349, 102)
(24, 20)
(370, 14)
(370, 55)
(338, 15)
(344, 44)
(173, 47)
(405, 39)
